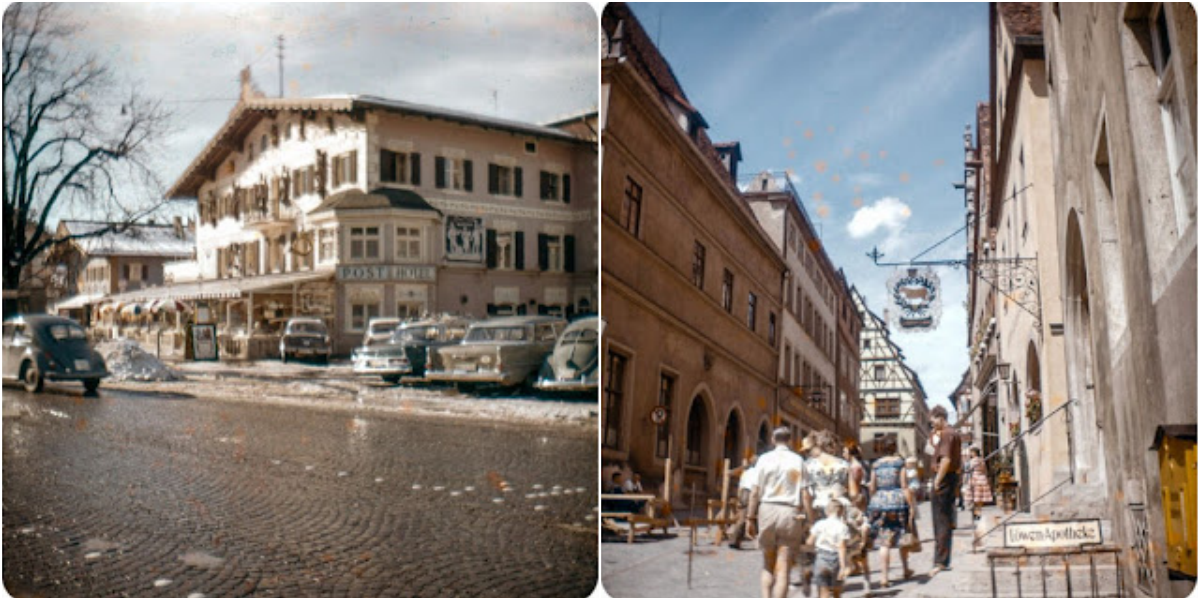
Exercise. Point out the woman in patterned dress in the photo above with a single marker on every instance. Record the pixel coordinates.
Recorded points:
(892, 505)
(827, 476)
(981, 492)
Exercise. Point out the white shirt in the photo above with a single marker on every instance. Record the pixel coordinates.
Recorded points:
(830, 532)
(632, 487)
(780, 476)
(749, 478)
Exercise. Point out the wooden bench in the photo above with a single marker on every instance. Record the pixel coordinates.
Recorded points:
(630, 524)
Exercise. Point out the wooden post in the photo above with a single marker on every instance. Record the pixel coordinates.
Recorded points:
(666, 491)
(724, 502)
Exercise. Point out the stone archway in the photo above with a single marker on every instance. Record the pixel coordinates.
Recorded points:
(696, 454)
(733, 439)
(764, 439)
(1088, 439)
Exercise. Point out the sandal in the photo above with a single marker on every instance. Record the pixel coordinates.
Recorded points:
(908, 574)
(885, 583)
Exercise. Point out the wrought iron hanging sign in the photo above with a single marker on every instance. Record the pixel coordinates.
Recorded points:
(917, 293)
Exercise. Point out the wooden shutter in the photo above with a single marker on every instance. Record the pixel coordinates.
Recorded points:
(517, 183)
(569, 253)
(322, 171)
(519, 255)
(491, 309)
(544, 185)
(414, 176)
(491, 248)
(387, 166)
(353, 158)
(468, 176)
(336, 171)
(566, 191)
(439, 172)
(493, 176)
(543, 252)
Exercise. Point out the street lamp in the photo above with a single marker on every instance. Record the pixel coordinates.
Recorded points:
(815, 394)
(1005, 369)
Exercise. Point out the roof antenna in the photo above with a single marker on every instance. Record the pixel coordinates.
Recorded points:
(496, 101)
(279, 44)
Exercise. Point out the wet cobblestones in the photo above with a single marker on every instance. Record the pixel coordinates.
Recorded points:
(134, 495)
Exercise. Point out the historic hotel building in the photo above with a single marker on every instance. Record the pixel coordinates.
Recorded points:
(352, 207)
(691, 282)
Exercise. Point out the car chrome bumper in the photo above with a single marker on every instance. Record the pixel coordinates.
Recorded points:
(60, 376)
(574, 385)
(470, 377)
(366, 367)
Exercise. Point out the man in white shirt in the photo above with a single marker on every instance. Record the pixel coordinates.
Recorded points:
(777, 508)
(746, 483)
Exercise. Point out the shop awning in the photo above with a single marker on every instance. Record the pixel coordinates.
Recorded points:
(220, 288)
(77, 302)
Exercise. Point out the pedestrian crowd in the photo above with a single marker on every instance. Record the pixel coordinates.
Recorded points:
(825, 508)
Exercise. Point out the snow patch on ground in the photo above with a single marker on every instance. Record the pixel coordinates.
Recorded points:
(128, 362)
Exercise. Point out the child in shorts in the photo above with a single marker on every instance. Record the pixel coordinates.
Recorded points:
(829, 537)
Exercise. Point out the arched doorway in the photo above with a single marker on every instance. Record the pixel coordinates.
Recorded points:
(764, 439)
(1087, 440)
(733, 439)
(1033, 370)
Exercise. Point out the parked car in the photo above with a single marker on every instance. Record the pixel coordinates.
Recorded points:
(379, 331)
(41, 347)
(572, 365)
(505, 351)
(305, 337)
(405, 351)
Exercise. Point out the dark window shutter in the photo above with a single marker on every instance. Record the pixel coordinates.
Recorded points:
(414, 177)
(543, 252)
(518, 182)
(353, 166)
(493, 186)
(569, 253)
(519, 255)
(491, 248)
(543, 187)
(491, 309)
(468, 175)
(387, 165)
(439, 172)
(543, 309)
(566, 188)
(521, 309)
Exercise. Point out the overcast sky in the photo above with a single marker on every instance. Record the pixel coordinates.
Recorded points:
(532, 62)
(865, 105)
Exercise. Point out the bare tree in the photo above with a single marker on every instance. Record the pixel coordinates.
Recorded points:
(73, 139)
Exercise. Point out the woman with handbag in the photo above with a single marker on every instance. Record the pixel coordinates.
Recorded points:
(891, 508)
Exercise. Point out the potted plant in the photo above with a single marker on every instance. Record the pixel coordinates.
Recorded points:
(1033, 406)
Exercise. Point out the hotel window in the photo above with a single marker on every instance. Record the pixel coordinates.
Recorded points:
(751, 311)
(727, 292)
(345, 168)
(303, 181)
(408, 243)
(327, 247)
(399, 167)
(880, 373)
(771, 329)
(631, 207)
(452, 173)
(505, 181)
(505, 250)
(666, 391)
(361, 313)
(364, 243)
(555, 186)
(556, 253)
(614, 397)
(698, 265)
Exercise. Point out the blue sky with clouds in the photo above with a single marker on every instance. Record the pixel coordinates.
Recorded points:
(865, 105)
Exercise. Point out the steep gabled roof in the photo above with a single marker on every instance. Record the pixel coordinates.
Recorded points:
(136, 240)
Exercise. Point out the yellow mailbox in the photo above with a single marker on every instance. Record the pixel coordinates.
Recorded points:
(1176, 446)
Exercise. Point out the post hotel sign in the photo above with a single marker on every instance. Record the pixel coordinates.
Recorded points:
(1053, 534)
(386, 273)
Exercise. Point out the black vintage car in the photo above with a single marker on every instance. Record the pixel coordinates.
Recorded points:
(41, 347)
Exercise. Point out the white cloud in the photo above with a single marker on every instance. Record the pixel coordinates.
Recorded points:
(835, 10)
(888, 214)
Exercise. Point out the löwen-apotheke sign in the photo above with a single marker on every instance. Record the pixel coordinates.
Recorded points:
(1053, 534)
(386, 273)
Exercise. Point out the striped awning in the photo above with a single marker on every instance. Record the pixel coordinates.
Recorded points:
(211, 289)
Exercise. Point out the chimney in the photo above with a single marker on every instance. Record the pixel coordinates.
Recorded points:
(248, 89)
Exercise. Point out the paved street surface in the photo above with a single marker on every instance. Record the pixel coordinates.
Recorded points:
(657, 566)
(145, 491)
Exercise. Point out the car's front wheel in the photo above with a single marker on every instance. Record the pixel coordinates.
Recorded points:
(91, 385)
(31, 377)
(392, 379)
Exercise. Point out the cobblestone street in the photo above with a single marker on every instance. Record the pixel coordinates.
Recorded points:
(161, 493)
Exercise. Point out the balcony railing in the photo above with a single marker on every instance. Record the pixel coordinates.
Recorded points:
(271, 215)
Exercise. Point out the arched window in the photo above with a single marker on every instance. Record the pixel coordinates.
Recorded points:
(696, 427)
(733, 439)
